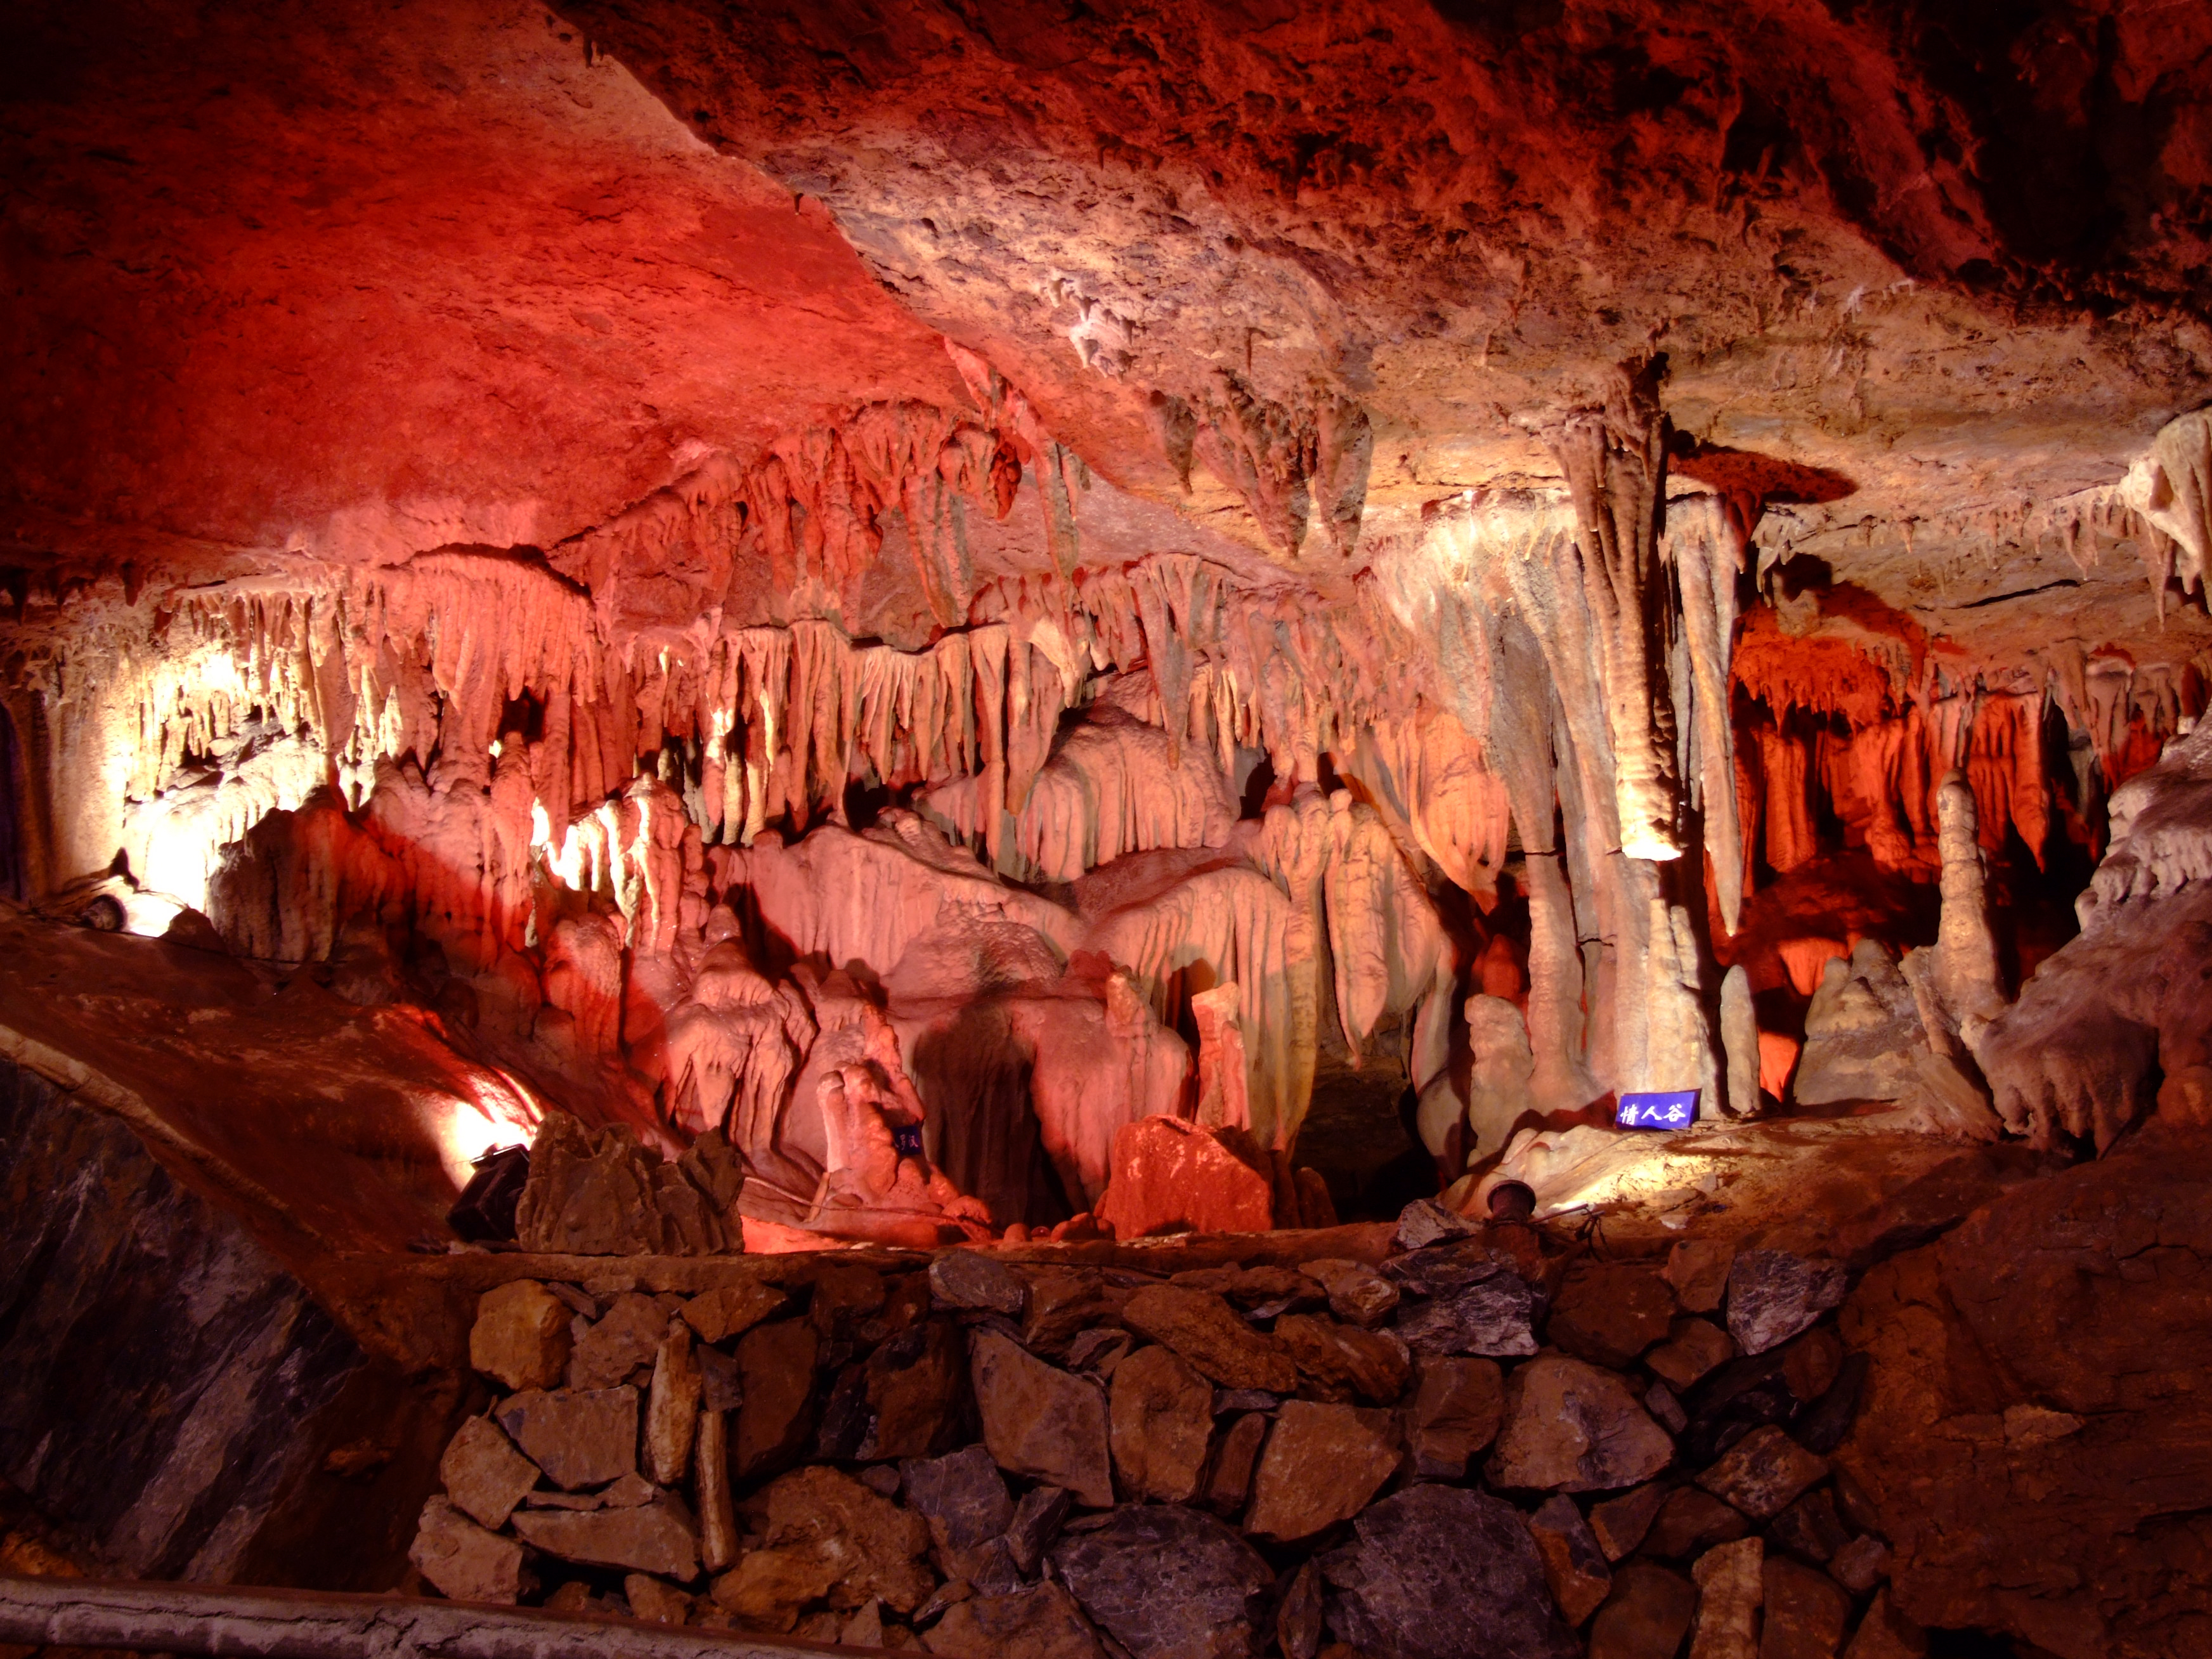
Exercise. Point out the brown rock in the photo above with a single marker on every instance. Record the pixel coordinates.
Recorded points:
(845, 1293)
(1810, 1363)
(655, 1603)
(1698, 1268)
(1208, 1334)
(876, 1546)
(1689, 1522)
(625, 1340)
(1066, 1304)
(1458, 1404)
(1810, 1527)
(1298, 1617)
(1693, 1348)
(1356, 1293)
(1042, 1622)
(1609, 1313)
(1574, 1566)
(483, 1474)
(1170, 1176)
(1729, 1588)
(1371, 1365)
(1774, 1294)
(1619, 1523)
(1763, 1472)
(1252, 1287)
(1572, 1427)
(916, 1382)
(463, 1560)
(963, 1279)
(1860, 1565)
(579, 1438)
(1321, 1465)
(963, 1499)
(520, 1336)
(1887, 1633)
(1805, 1613)
(1036, 1523)
(1040, 1421)
(658, 1537)
(1228, 1482)
(1166, 1581)
(767, 1588)
(1647, 1615)
(1161, 1414)
(671, 1408)
(776, 1378)
(731, 1310)
(717, 1521)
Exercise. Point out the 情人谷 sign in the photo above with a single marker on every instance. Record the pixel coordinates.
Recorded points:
(1676, 1111)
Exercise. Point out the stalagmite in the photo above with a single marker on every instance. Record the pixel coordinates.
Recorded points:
(1965, 961)
(1739, 1043)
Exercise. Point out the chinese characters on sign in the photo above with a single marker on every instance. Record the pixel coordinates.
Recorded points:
(1672, 1111)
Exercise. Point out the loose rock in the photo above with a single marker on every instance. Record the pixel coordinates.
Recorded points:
(963, 1499)
(1356, 1293)
(623, 1342)
(579, 1438)
(1371, 1365)
(1809, 1364)
(1698, 1268)
(1040, 1421)
(1321, 1465)
(1207, 1333)
(1493, 1318)
(520, 1336)
(1805, 1613)
(1887, 1633)
(658, 1537)
(1619, 1525)
(1811, 1527)
(463, 1560)
(1228, 1483)
(655, 1603)
(1042, 1622)
(963, 1279)
(1729, 1586)
(1035, 1525)
(1458, 1405)
(1572, 1427)
(1689, 1522)
(1693, 1348)
(1772, 1295)
(1860, 1564)
(776, 1380)
(1647, 1615)
(483, 1474)
(1424, 1221)
(731, 1310)
(875, 1546)
(1574, 1566)
(1161, 1424)
(1167, 1582)
(1764, 1472)
(913, 1386)
(1438, 1572)
(1609, 1313)
(672, 1406)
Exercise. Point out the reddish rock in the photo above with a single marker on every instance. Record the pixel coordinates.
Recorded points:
(1572, 1427)
(1698, 1268)
(1609, 1313)
(1692, 1348)
(1574, 1566)
(1763, 1472)
(776, 1380)
(1646, 1616)
(1458, 1404)
(1161, 1417)
(659, 1537)
(1619, 1523)
(1321, 1465)
(1208, 1334)
(1356, 1293)
(1171, 1176)
(1041, 1622)
(1689, 1522)
(483, 1474)
(731, 1310)
(1167, 1582)
(520, 1336)
(463, 1560)
(1804, 1613)
(1730, 1588)
(623, 1342)
(1435, 1572)
(1042, 1422)
(1229, 1481)
(579, 1437)
(1373, 1365)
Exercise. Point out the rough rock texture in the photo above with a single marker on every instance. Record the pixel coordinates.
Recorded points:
(1434, 1572)
(1572, 1427)
(1160, 1416)
(1167, 1582)
(1204, 1331)
(2039, 1371)
(1040, 1421)
(521, 1336)
(1321, 1465)
(658, 1537)
(465, 1561)
(1043, 1621)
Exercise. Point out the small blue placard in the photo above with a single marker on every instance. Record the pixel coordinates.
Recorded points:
(906, 1138)
(1678, 1110)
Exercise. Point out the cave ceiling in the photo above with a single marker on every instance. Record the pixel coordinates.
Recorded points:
(348, 282)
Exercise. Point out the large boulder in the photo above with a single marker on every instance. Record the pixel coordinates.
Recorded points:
(1168, 1582)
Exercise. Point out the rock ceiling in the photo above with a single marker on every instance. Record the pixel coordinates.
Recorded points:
(354, 281)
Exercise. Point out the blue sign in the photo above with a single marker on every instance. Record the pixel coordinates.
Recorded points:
(1678, 1110)
(907, 1139)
